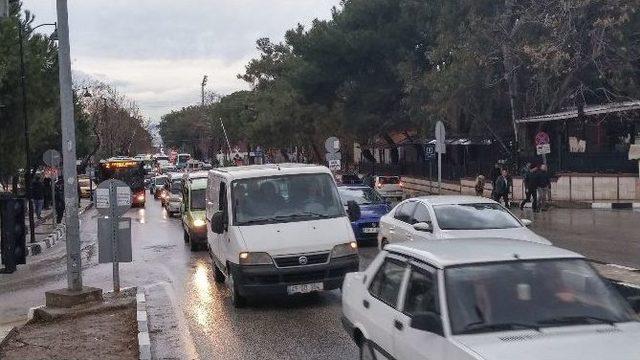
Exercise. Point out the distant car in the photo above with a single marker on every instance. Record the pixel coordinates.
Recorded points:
(486, 299)
(389, 187)
(350, 179)
(86, 186)
(172, 197)
(452, 216)
(156, 185)
(372, 207)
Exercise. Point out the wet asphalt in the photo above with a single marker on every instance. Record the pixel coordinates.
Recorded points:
(191, 317)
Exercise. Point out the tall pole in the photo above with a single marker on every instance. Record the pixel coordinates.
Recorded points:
(27, 173)
(204, 83)
(226, 137)
(74, 268)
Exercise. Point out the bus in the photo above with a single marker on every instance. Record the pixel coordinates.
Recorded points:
(127, 170)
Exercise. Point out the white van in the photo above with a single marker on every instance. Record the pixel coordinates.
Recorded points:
(278, 229)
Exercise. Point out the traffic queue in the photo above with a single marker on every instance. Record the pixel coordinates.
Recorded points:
(456, 277)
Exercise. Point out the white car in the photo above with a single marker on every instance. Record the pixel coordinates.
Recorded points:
(389, 187)
(449, 217)
(486, 299)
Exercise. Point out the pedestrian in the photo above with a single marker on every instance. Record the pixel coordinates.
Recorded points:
(47, 192)
(480, 181)
(544, 187)
(494, 175)
(37, 195)
(59, 200)
(530, 181)
(501, 188)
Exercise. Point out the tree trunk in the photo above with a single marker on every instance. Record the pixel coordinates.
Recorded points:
(395, 156)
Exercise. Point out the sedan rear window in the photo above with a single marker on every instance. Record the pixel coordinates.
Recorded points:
(383, 180)
(481, 216)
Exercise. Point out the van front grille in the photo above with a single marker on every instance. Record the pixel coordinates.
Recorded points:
(302, 260)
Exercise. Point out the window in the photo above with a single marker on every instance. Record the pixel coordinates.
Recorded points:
(480, 216)
(422, 294)
(222, 197)
(362, 196)
(386, 284)
(405, 211)
(421, 215)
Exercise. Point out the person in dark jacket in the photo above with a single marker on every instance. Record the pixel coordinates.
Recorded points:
(47, 193)
(501, 188)
(37, 195)
(59, 200)
(543, 187)
(530, 181)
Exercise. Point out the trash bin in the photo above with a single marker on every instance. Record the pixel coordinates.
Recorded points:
(13, 232)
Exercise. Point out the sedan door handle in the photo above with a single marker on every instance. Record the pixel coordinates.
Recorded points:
(398, 325)
(365, 303)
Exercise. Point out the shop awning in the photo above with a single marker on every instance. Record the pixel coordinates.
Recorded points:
(589, 110)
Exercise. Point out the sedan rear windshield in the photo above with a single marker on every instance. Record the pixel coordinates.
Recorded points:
(383, 180)
(481, 216)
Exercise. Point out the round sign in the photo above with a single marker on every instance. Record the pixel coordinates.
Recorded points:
(51, 158)
(332, 145)
(113, 194)
(542, 138)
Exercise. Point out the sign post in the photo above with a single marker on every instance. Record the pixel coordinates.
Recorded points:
(113, 199)
(333, 155)
(51, 158)
(543, 145)
(441, 148)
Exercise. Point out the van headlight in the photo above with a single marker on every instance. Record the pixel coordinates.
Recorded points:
(255, 258)
(347, 249)
(198, 222)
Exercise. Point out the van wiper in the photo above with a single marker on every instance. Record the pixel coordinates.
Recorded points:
(579, 319)
(478, 327)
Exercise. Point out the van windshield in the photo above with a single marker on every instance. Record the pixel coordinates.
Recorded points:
(285, 199)
(198, 201)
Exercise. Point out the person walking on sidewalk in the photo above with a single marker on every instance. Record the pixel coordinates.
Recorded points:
(530, 180)
(47, 192)
(480, 181)
(501, 188)
(37, 194)
(544, 187)
(59, 200)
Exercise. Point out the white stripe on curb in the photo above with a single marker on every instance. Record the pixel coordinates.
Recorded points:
(600, 205)
(623, 267)
(144, 343)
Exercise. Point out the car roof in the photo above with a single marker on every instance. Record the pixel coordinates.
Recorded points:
(453, 199)
(198, 174)
(252, 171)
(444, 253)
(160, 176)
(353, 187)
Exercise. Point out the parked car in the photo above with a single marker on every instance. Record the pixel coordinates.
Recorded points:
(278, 229)
(452, 216)
(86, 186)
(490, 299)
(349, 179)
(389, 187)
(157, 185)
(372, 207)
(194, 221)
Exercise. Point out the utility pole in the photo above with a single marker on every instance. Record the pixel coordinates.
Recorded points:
(74, 268)
(204, 83)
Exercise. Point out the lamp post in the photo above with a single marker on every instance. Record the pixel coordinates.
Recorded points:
(23, 83)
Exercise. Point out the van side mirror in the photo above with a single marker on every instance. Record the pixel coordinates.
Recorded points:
(423, 226)
(429, 321)
(526, 222)
(217, 222)
(353, 211)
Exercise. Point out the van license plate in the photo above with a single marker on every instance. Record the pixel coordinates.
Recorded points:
(370, 230)
(304, 288)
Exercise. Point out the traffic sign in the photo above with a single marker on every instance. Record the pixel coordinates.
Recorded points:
(113, 193)
(542, 138)
(51, 158)
(429, 152)
(543, 149)
(440, 138)
(332, 145)
(334, 165)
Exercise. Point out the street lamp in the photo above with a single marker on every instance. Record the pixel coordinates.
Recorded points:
(27, 175)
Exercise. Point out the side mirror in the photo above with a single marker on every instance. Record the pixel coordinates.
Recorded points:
(217, 222)
(429, 321)
(423, 226)
(353, 210)
(526, 222)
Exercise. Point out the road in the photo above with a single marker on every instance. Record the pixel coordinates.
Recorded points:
(191, 317)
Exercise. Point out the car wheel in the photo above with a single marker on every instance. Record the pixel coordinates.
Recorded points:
(185, 236)
(194, 246)
(218, 276)
(366, 352)
(237, 300)
(383, 243)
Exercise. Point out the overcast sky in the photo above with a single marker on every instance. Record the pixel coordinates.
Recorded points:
(156, 51)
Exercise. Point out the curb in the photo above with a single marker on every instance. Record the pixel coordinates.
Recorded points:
(37, 247)
(144, 343)
(615, 205)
